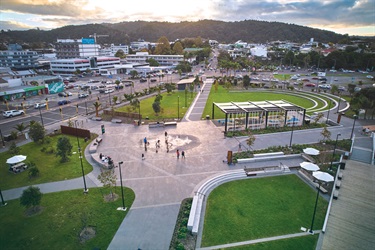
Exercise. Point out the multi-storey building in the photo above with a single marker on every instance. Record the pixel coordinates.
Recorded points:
(18, 59)
(164, 60)
(111, 51)
(76, 48)
(70, 66)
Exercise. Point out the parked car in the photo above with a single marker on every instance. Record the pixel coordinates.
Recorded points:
(369, 76)
(11, 113)
(39, 105)
(107, 91)
(69, 93)
(63, 102)
(143, 80)
(62, 94)
(357, 89)
(310, 85)
(83, 95)
(325, 86)
(153, 80)
(69, 86)
(341, 88)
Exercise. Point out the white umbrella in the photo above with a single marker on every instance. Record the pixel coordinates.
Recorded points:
(309, 166)
(311, 151)
(323, 176)
(16, 159)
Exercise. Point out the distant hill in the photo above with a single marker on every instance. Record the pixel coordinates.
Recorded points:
(223, 32)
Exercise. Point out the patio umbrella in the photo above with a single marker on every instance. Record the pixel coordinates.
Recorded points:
(323, 176)
(309, 166)
(311, 151)
(16, 159)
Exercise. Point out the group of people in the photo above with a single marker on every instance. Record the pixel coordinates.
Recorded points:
(106, 159)
(158, 145)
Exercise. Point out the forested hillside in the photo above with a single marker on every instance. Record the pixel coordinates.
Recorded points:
(223, 32)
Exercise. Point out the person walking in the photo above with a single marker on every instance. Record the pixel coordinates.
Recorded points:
(178, 154)
(183, 154)
(143, 156)
(165, 134)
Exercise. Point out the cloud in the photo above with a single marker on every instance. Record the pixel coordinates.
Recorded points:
(12, 25)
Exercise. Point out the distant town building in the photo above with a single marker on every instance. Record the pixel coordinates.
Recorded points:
(213, 43)
(139, 45)
(111, 51)
(259, 51)
(18, 59)
(76, 48)
(70, 66)
(165, 60)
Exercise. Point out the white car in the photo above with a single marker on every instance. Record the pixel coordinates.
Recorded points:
(369, 76)
(107, 91)
(39, 105)
(83, 95)
(11, 113)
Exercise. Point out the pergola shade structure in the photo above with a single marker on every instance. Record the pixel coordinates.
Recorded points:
(259, 115)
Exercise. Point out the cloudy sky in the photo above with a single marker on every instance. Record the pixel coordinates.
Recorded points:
(341, 16)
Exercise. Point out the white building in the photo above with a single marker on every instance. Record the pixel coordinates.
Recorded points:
(259, 50)
(111, 51)
(70, 66)
(76, 48)
(139, 45)
(165, 60)
(18, 59)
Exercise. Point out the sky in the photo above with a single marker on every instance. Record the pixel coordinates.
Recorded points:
(340, 16)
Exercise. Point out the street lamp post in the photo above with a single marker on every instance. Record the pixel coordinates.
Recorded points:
(329, 108)
(320, 177)
(80, 157)
(123, 208)
(41, 117)
(291, 135)
(109, 98)
(338, 106)
(334, 149)
(355, 118)
(86, 106)
(178, 108)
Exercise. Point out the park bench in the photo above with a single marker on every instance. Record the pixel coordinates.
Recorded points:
(155, 124)
(170, 123)
(97, 118)
(116, 121)
(338, 184)
(340, 175)
(335, 194)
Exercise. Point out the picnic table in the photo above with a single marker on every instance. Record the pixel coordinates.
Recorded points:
(18, 167)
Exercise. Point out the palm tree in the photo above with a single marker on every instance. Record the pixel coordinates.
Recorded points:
(21, 127)
(97, 105)
(117, 82)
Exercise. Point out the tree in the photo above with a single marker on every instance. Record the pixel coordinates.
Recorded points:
(31, 197)
(169, 87)
(37, 132)
(246, 81)
(351, 88)
(64, 148)
(108, 179)
(13, 149)
(326, 134)
(97, 105)
(250, 141)
(117, 82)
(163, 47)
(318, 117)
(135, 103)
(115, 99)
(216, 85)
(133, 74)
(156, 107)
(152, 62)
(120, 53)
(178, 49)
(334, 89)
(21, 127)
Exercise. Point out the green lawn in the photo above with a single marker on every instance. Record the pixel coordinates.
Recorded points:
(48, 164)
(169, 106)
(222, 95)
(298, 243)
(258, 208)
(63, 217)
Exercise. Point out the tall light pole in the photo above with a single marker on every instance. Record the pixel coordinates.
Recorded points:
(291, 135)
(355, 118)
(334, 149)
(178, 107)
(338, 106)
(320, 177)
(85, 191)
(123, 208)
